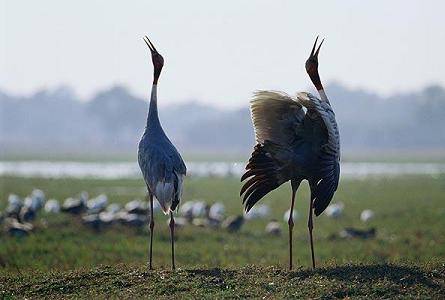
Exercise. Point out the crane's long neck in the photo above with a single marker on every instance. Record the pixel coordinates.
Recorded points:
(322, 94)
(315, 78)
(153, 119)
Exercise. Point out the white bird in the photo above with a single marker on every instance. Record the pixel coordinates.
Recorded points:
(273, 227)
(233, 223)
(97, 204)
(14, 201)
(14, 205)
(367, 215)
(287, 215)
(137, 207)
(257, 212)
(113, 208)
(30, 203)
(217, 211)
(335, 210)
(131, 220)
(106, 217)
(186, 210)
(52, 206)
(200, 209)
(38, 197)
(29, 209)
(74, 206)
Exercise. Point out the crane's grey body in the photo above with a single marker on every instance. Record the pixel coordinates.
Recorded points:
(161, 164)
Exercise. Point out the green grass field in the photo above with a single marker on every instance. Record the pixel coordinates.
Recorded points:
(64, 258)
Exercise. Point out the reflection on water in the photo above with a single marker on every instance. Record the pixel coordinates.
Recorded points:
(109, 170)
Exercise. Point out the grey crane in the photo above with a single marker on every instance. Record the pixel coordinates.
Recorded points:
(161, 164)
(293, 144)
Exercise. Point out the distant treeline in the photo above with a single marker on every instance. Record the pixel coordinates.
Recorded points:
(113, 120)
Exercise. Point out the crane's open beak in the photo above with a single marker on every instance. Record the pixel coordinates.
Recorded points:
(157, 59)
(150, 46)
(312, 65)
(314, 54)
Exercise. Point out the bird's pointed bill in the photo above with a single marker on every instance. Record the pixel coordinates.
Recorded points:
(318, 49)
(314, 53)
(313, 48)
(150, 45)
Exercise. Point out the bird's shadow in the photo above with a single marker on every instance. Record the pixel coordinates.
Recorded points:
(404, 275)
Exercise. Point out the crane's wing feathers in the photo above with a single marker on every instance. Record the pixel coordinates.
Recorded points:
(323, 191)
(284, 132)
(324, 110)
(328, 167)
(275, 116)
(266, 173)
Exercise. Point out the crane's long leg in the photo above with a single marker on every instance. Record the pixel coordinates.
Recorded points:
(290, 222)
(172, 233)
(310, 226)
(152, 225)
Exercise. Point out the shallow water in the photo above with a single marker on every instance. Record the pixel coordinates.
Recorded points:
(111, 170)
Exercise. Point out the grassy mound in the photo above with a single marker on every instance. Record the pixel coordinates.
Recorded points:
(353, 281)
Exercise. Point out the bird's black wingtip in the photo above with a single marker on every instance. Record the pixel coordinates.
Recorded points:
(263, 177)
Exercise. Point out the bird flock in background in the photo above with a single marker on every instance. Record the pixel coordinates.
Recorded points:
(99, 214)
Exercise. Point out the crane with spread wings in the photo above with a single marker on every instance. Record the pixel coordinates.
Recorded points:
(297, 139)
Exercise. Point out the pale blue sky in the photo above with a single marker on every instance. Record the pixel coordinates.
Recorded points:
(219, 52)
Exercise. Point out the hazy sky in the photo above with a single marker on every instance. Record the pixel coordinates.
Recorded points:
(219, 52)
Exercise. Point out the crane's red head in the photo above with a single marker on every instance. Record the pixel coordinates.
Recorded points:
(312, 66)
(158, 60)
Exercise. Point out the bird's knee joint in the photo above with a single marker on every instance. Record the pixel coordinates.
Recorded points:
(290, 222)
(310, 225)
(152, 224)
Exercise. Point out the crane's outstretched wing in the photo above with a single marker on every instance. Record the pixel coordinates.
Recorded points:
(328, 167)
(325, 188)
(324, 110)
(275, 118)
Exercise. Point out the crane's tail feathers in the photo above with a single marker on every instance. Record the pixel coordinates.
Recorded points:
(169, 193)
(177, 183)
(263, 171)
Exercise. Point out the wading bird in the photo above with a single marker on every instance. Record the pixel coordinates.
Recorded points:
(161, 164)
(294, 144)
